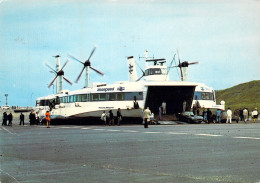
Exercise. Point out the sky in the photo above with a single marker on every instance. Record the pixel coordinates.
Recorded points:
(222, 35)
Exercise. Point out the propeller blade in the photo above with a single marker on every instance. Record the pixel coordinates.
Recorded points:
(140, 69)
(178, 57)
(97, 71)
(180, 64)
(50, 67)
(64, 65)
(80, 75)
(140, 78)
(91, 53)
(193, 63)
(75, 59)
(67, 80)
(52, 81)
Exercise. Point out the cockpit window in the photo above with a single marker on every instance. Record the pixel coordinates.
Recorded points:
(155, 71)
(164, 71)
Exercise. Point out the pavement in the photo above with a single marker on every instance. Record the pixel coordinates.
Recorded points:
(188, 153)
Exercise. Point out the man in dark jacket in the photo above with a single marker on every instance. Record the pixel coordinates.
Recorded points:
(31, 118)
(119, 117)
(21, 119)
(4, 123)
(10, 119)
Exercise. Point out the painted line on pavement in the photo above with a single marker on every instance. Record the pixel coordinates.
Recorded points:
(65, 127)
(9, 175)
(151, 132)
(113, 130)
(13, 133)
(254, 138)
(134, 131)
(177, 133)
(208, 135)
(131, 131)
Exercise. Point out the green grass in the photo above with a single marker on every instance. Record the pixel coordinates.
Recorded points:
(240, 96)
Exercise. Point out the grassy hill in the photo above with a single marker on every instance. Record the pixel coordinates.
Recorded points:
(240, 96)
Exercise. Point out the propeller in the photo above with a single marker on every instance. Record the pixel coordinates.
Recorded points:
(183, 64)
(87, 63)
(59, 73)
(180, 64)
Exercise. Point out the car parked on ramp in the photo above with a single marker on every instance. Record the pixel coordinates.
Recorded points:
(189, 117)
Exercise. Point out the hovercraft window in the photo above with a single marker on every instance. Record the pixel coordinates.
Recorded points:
(94, 97)
(120, 96)
(102, 96)
(111, 96)
(84, 98)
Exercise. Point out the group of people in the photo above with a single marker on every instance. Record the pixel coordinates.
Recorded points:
(242, 113)
(8, 118)
(207, 116)
(110, 119)
(33, 118)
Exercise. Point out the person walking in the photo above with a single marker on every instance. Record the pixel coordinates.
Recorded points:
(229, 116)
(21, 119)
(218, 114)
(10, 119)
(119, 116)
(204, 114)
(147, 114)
(48, 119)
(209, 116)
(111, 118)
(241, 114)
(30, 118)
(3, 119)
(194, 110)
(33, 118)
(160, 112)
(164, 107)
(184, 106)
(245, 115)
(37, 118)
(136, 105)
(104, 117)
(255, 114)
(4, 123)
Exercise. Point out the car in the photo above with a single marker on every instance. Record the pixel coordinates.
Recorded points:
(5, 107)
(223, 117)
(189, 117)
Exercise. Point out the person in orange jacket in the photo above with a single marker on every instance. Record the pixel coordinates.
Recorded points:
(47, 114)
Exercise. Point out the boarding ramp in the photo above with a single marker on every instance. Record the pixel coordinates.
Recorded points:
(174, 96)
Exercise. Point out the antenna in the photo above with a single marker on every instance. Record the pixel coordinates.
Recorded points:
(146, 57)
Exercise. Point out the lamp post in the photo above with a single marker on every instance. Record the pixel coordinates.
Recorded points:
(6, 95)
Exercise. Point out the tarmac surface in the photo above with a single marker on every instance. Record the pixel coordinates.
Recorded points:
(188, 153)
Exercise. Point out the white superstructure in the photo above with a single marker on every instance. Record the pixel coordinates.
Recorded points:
(204, 97)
